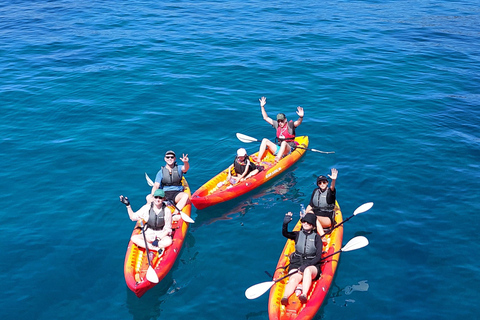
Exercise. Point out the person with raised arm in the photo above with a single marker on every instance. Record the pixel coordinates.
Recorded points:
(285, 133)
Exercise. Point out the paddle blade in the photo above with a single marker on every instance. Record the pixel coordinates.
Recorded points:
(149, 181)
(152, 275)
(186, 218)
(245, 138)
(257, 290)
(364, 207)
(356, 243)
(319, 151)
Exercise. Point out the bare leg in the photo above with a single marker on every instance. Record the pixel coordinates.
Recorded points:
(181, 200)
(308, 275)
(262, 149)
(284, 150)
(292, 284)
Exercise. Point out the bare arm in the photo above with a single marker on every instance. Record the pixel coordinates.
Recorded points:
(155, 186)
(300, 113)
(186, 165)
(333, 176)
(263, 102)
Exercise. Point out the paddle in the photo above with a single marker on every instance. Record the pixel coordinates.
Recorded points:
(151, 274)
(259, 289)
(248, 139)
(363, 208)
(185, 217)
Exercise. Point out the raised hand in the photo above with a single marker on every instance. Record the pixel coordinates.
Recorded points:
(263, 101)
(300, 112)
(334, 174)
(288, 217)
(124, 200)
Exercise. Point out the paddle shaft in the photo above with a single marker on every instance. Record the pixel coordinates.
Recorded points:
(338, 225)
(146, 245)
(247, 139)
(288, 275)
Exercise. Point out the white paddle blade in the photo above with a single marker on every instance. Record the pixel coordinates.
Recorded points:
(320, 151)
(245, 138)
(149, 181)
(257, 290)
(186, 218)
(152, 275)
(364, 207)
(356, 243)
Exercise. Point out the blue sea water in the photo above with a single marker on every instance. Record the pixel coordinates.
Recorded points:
(94, 92)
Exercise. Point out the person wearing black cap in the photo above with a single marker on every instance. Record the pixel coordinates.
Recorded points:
(306, 258)
(285, 132)
(169, 178)
(322, 201)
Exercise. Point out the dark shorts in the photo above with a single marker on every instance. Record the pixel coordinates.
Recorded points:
(296, 262)
(329, 215)
(170, 195)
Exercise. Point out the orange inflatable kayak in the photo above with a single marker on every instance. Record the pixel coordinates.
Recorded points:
(319, 289)
(136, 262)
(218, 190)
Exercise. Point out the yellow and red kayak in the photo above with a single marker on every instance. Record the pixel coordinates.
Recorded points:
(319, 289)
(218, 190)
(136, 261)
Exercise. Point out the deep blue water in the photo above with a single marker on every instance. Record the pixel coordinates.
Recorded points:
(94, 92)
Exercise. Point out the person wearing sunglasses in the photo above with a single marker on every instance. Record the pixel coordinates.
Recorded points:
(158, 217)
(322, 201)
(242, 167)
(169, 178)
(285, 133)
(306, 258)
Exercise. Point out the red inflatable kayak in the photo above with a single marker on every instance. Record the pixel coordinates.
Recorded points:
(319, 289)
(136, 262)
(218, 190)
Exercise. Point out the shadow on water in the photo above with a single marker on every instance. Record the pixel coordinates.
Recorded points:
(339, 296)
(267, 195)
(148, 306)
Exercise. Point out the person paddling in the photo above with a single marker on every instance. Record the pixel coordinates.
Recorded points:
(158, 228)
(322, 202)
(285, 133)
(169, 178)
(306, 258)
(242, 167)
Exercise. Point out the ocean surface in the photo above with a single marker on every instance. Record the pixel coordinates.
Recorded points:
(93, 93)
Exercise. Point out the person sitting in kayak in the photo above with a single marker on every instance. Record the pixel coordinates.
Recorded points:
(169, 178)
(242, 167)
(306, 258)
(158, 216)
(322, 202)
(285, 133)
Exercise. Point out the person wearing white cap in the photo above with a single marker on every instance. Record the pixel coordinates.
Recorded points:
(242, 167)
(285, 133)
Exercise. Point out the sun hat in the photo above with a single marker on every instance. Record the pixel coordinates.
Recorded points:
(241, 152)
(281, 116)
(159, 193)
(310, 218)
(169, 152)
